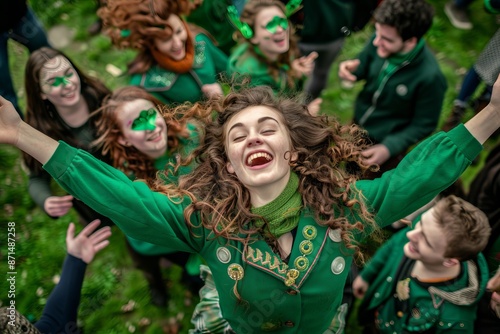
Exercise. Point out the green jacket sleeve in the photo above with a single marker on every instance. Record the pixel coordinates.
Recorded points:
(428, 169)
(137, 210)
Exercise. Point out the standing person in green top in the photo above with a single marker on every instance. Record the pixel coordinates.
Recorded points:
(429, 278)
(270, 205)
(176, 62)
(404, 88)
(143, 139)
(267, 52)
(60, 99)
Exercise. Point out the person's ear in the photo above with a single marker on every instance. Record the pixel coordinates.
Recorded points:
(229, 168)
(122, 141)
(411, 42)
(451, 262)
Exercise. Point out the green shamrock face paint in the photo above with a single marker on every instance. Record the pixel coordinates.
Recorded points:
(62, 80)
(145, 121)
(272, 26)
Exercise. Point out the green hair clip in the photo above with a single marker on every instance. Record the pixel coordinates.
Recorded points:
(292, 6)
(145, 121)
(125, 33)
(243, 27)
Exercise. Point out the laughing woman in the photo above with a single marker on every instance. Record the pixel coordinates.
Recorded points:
(60, 99)
(270, 205)
(176, 62)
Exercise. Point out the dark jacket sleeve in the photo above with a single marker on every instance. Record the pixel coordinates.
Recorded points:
(60, 312)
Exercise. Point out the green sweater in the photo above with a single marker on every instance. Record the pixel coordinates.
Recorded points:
(186, 146)
(427, 308)
(403, 109)
(170, 87)
(139, 212)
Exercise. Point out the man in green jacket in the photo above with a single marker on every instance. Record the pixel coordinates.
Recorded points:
(401, 100)
(429, 278)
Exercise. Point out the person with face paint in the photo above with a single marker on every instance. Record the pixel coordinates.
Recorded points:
(176, 62)
(60, 99)
(272, 205)
(267, 53)
(404, 88)
(144, 140)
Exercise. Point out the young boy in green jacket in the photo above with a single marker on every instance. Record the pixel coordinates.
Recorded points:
(429, 277)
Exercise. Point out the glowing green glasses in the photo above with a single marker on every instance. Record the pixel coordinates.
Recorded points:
(272, 26)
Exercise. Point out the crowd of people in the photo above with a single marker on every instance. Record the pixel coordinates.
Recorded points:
(218, 157)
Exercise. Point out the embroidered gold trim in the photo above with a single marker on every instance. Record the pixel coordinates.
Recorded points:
(267, 260)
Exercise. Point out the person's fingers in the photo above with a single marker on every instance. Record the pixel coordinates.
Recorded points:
(312, 56)
(90, 228)
(100, 235)
(98, 247)
(70, 232)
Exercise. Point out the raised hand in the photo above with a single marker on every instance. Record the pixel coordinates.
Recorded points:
(346, 68)
(57, 206)
(86, 244)
(304, 65)
(377, 154)
(9, 122)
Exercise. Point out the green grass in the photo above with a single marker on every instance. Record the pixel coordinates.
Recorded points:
(111, 281)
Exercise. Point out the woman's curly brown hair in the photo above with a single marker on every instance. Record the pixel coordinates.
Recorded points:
(250, 11)
(323, 148)
(136, 23)
(128, 159)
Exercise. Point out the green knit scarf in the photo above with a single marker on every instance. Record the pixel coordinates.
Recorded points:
(282, 214)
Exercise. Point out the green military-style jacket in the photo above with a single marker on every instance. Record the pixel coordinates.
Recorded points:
(170, 87)
(271, 295)
(447, 307)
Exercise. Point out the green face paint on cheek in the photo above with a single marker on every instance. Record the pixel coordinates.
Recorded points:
(145, 121)
(272, 26)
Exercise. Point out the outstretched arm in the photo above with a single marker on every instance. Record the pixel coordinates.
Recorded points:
(60, 312)
(15, 132)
